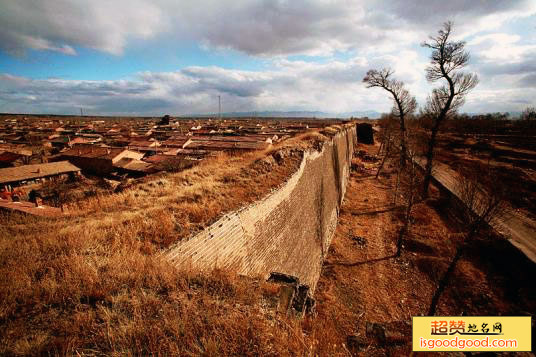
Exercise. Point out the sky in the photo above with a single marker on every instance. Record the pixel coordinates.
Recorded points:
(155, 57)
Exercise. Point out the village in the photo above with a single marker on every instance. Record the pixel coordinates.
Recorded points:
(47, 162)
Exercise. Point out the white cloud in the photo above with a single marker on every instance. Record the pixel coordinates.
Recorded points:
(37, 43)
(257, 27)
(290, 85)
(500, 48)
(489, 100)
(469, 16)
(377, 34)
(334, 87)
(61, 24)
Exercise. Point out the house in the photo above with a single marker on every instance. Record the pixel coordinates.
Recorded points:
(176, 141)
(10, 155)
(60, 142)
(232, 146)
(171, 163)
(96, 159)
(148, 147)
(7, 158)
(134, 167)
(26, 174)
(234, 138)
(79, 140)
(227, 143)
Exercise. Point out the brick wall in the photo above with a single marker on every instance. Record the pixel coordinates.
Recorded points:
(289, 231)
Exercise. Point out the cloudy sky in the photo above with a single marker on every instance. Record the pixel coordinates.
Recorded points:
(151, 57)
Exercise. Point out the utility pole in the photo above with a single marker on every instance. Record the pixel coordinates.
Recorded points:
(219, 106)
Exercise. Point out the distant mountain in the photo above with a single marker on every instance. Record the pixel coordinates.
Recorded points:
(371, 114)
(293, 114)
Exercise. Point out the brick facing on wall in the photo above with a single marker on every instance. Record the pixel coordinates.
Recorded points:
(289, 231)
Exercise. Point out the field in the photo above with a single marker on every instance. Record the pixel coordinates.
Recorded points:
(508, 147)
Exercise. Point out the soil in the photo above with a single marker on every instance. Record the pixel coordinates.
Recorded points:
(512, 160)
(362, 283)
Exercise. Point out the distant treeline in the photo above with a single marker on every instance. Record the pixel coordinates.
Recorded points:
(482, 124)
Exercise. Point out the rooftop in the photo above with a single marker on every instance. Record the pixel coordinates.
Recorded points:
(28, 172)
(92, 151)
(134, 165)
(226, 145)
(28, 207)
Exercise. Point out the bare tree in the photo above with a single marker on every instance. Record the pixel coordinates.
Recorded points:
(386, 137)
(528, 113)
(404, 103)
(447, 58)
(483, 198)
(409, 179)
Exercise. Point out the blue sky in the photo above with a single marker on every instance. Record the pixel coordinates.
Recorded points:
(90, 64)
(144, 57)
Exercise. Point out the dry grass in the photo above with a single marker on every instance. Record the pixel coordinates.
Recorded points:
(129, 303)
(91, 284)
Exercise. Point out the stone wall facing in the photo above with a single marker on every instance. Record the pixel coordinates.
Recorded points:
(289, 231)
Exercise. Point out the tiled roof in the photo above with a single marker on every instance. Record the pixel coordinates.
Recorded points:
(232, 138)
(156, 159)
(28, 172)
(28, 207)
(92, 151)
(141, 148)
(16, 149)
(191, 152)
(7, 156)
(226, 145)
(176, 141)
(134, 165)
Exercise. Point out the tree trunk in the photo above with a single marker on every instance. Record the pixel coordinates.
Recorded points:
(429, 161)
(403, 147)
(401, 235)
(396, 185)
(387, 149)
(431, 145)
(445, 281)
(381, 164)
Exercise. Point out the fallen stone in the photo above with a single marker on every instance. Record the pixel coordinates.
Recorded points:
(361, 241)
(286, 296)
(356, 343)
(376, 332)
(394, 334)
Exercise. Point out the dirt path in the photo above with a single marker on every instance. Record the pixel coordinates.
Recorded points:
(362, 283)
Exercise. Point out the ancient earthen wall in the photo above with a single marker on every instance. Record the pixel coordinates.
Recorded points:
(287, 232)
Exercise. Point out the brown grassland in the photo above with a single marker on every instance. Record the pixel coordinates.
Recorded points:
(91, 283)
